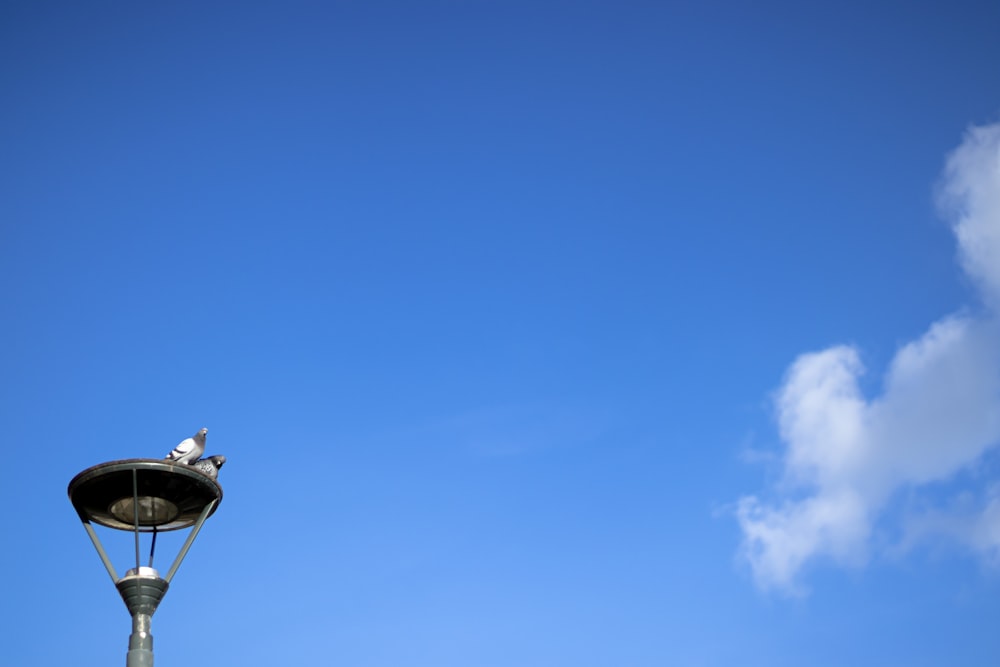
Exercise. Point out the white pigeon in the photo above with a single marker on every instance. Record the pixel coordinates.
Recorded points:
(189, 450)
(210, 465)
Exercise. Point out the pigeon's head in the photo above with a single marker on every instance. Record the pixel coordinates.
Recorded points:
(217, 460)
(201, 435)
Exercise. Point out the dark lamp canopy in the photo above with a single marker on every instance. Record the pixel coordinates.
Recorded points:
(169, 495)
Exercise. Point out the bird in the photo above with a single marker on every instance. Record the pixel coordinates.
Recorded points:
(210, 465)
(190, 449)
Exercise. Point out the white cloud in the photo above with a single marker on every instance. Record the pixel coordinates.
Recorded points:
(970, 199)
(778, 541)
(939, 411)
(963, 521)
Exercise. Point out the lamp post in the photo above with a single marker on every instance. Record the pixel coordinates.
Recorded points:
(143, 496)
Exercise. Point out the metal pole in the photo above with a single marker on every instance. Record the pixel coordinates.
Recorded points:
(140, 642)
(142, 594)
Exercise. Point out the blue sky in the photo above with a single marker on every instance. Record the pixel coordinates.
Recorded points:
(533, 332)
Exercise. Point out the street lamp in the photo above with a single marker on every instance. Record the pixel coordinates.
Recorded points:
(143, 496)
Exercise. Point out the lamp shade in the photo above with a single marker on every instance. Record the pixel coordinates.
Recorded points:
(169, 495)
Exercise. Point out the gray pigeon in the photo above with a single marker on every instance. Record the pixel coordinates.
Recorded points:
(189, 450)
(210, 465)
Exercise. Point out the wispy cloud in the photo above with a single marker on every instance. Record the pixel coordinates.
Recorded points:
(846, 454)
